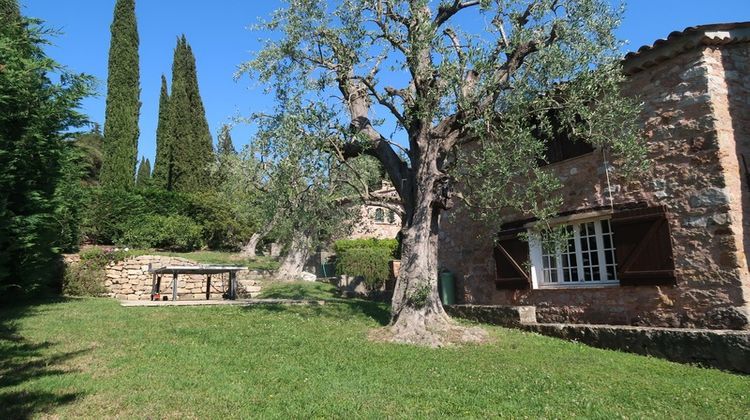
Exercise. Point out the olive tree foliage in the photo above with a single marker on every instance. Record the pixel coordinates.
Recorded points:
(443, 73)
(301, 195)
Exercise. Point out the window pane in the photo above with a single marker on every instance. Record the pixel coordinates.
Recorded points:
(579, 255)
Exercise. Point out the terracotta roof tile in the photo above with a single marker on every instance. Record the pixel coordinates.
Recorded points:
(713, 34)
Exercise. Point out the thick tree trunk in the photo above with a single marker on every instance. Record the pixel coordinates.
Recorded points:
(417, 315)
(249, 250)
(251, 247)
(293, 263)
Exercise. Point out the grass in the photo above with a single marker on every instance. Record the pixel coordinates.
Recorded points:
(299, 290)
(92, 358)
(217, 257)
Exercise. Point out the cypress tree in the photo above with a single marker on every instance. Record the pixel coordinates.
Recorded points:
(191, 142)
(144, 174)
(162, 175)
(123, 104)
(225, 146)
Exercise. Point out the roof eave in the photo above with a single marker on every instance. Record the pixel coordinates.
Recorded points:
(680, 42)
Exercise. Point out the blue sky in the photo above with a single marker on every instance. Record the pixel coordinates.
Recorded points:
(217, 31)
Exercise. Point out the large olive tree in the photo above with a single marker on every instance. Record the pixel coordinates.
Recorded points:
(413, 80)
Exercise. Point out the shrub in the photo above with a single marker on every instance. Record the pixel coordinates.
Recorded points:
(344, 245)
(129, 217)
(100, 258)
(176, 233)
(221, 226)
(108, 213)
(83, 280)
(367, 258)
(87, 277)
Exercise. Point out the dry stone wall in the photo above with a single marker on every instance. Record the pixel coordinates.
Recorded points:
(694, 173)
(131, 280)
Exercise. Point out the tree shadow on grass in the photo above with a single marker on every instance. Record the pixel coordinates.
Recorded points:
(23, 361)
(299, 290)
(334, 308)
(335, 305)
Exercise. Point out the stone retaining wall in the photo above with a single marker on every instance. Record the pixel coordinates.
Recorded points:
(723, 349)
(130, 280)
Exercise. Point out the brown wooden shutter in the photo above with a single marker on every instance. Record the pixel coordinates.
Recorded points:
(511, 259)
(643, 247)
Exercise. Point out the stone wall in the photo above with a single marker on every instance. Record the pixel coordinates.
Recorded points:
(722, 349)
(367, 227)
(692, 175)
(130, 280)
(730, 88)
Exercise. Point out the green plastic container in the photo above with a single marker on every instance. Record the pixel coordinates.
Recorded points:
(447, 287)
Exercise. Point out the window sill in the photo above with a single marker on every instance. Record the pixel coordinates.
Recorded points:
(602, 285)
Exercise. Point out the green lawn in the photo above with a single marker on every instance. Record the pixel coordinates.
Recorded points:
(217, 257)
(92, 358)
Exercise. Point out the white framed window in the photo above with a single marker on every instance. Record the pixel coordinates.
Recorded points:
(586, 258)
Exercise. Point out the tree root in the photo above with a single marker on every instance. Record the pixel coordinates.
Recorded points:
(429, 330)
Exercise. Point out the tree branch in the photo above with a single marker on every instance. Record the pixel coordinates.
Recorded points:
(445, 12)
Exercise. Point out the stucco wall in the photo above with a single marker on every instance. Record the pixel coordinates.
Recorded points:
(688, 175)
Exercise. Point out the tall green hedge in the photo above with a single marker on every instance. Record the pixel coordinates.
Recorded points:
(368, 258)
(38, 102)
(155, 218)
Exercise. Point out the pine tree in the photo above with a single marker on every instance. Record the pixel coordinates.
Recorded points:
(191, 142)
(225, 146)
(144, 174)
(123, 104)
(35, 118)
(162, 175)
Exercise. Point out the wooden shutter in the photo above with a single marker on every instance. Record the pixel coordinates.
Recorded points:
(643, 247)
(511, 260)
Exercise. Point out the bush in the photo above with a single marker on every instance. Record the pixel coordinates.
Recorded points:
(221, 227)
(367, 258)
(83, 280)
(175, 233)
(87, 277)
(344, 245)
(99, 258)
(118, 216)
(108, 213)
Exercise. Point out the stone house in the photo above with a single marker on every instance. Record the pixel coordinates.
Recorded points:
(377, 222)
(668, 249)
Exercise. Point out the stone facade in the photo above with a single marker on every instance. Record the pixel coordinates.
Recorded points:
(378, 222)
(131, 280)
(696, 118)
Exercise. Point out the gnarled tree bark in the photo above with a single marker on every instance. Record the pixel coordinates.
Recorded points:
(293, 263)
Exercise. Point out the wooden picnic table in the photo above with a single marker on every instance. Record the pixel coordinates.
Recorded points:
(207, 270)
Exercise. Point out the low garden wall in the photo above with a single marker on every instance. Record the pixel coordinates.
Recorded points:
(723, 349)
(130, 279)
